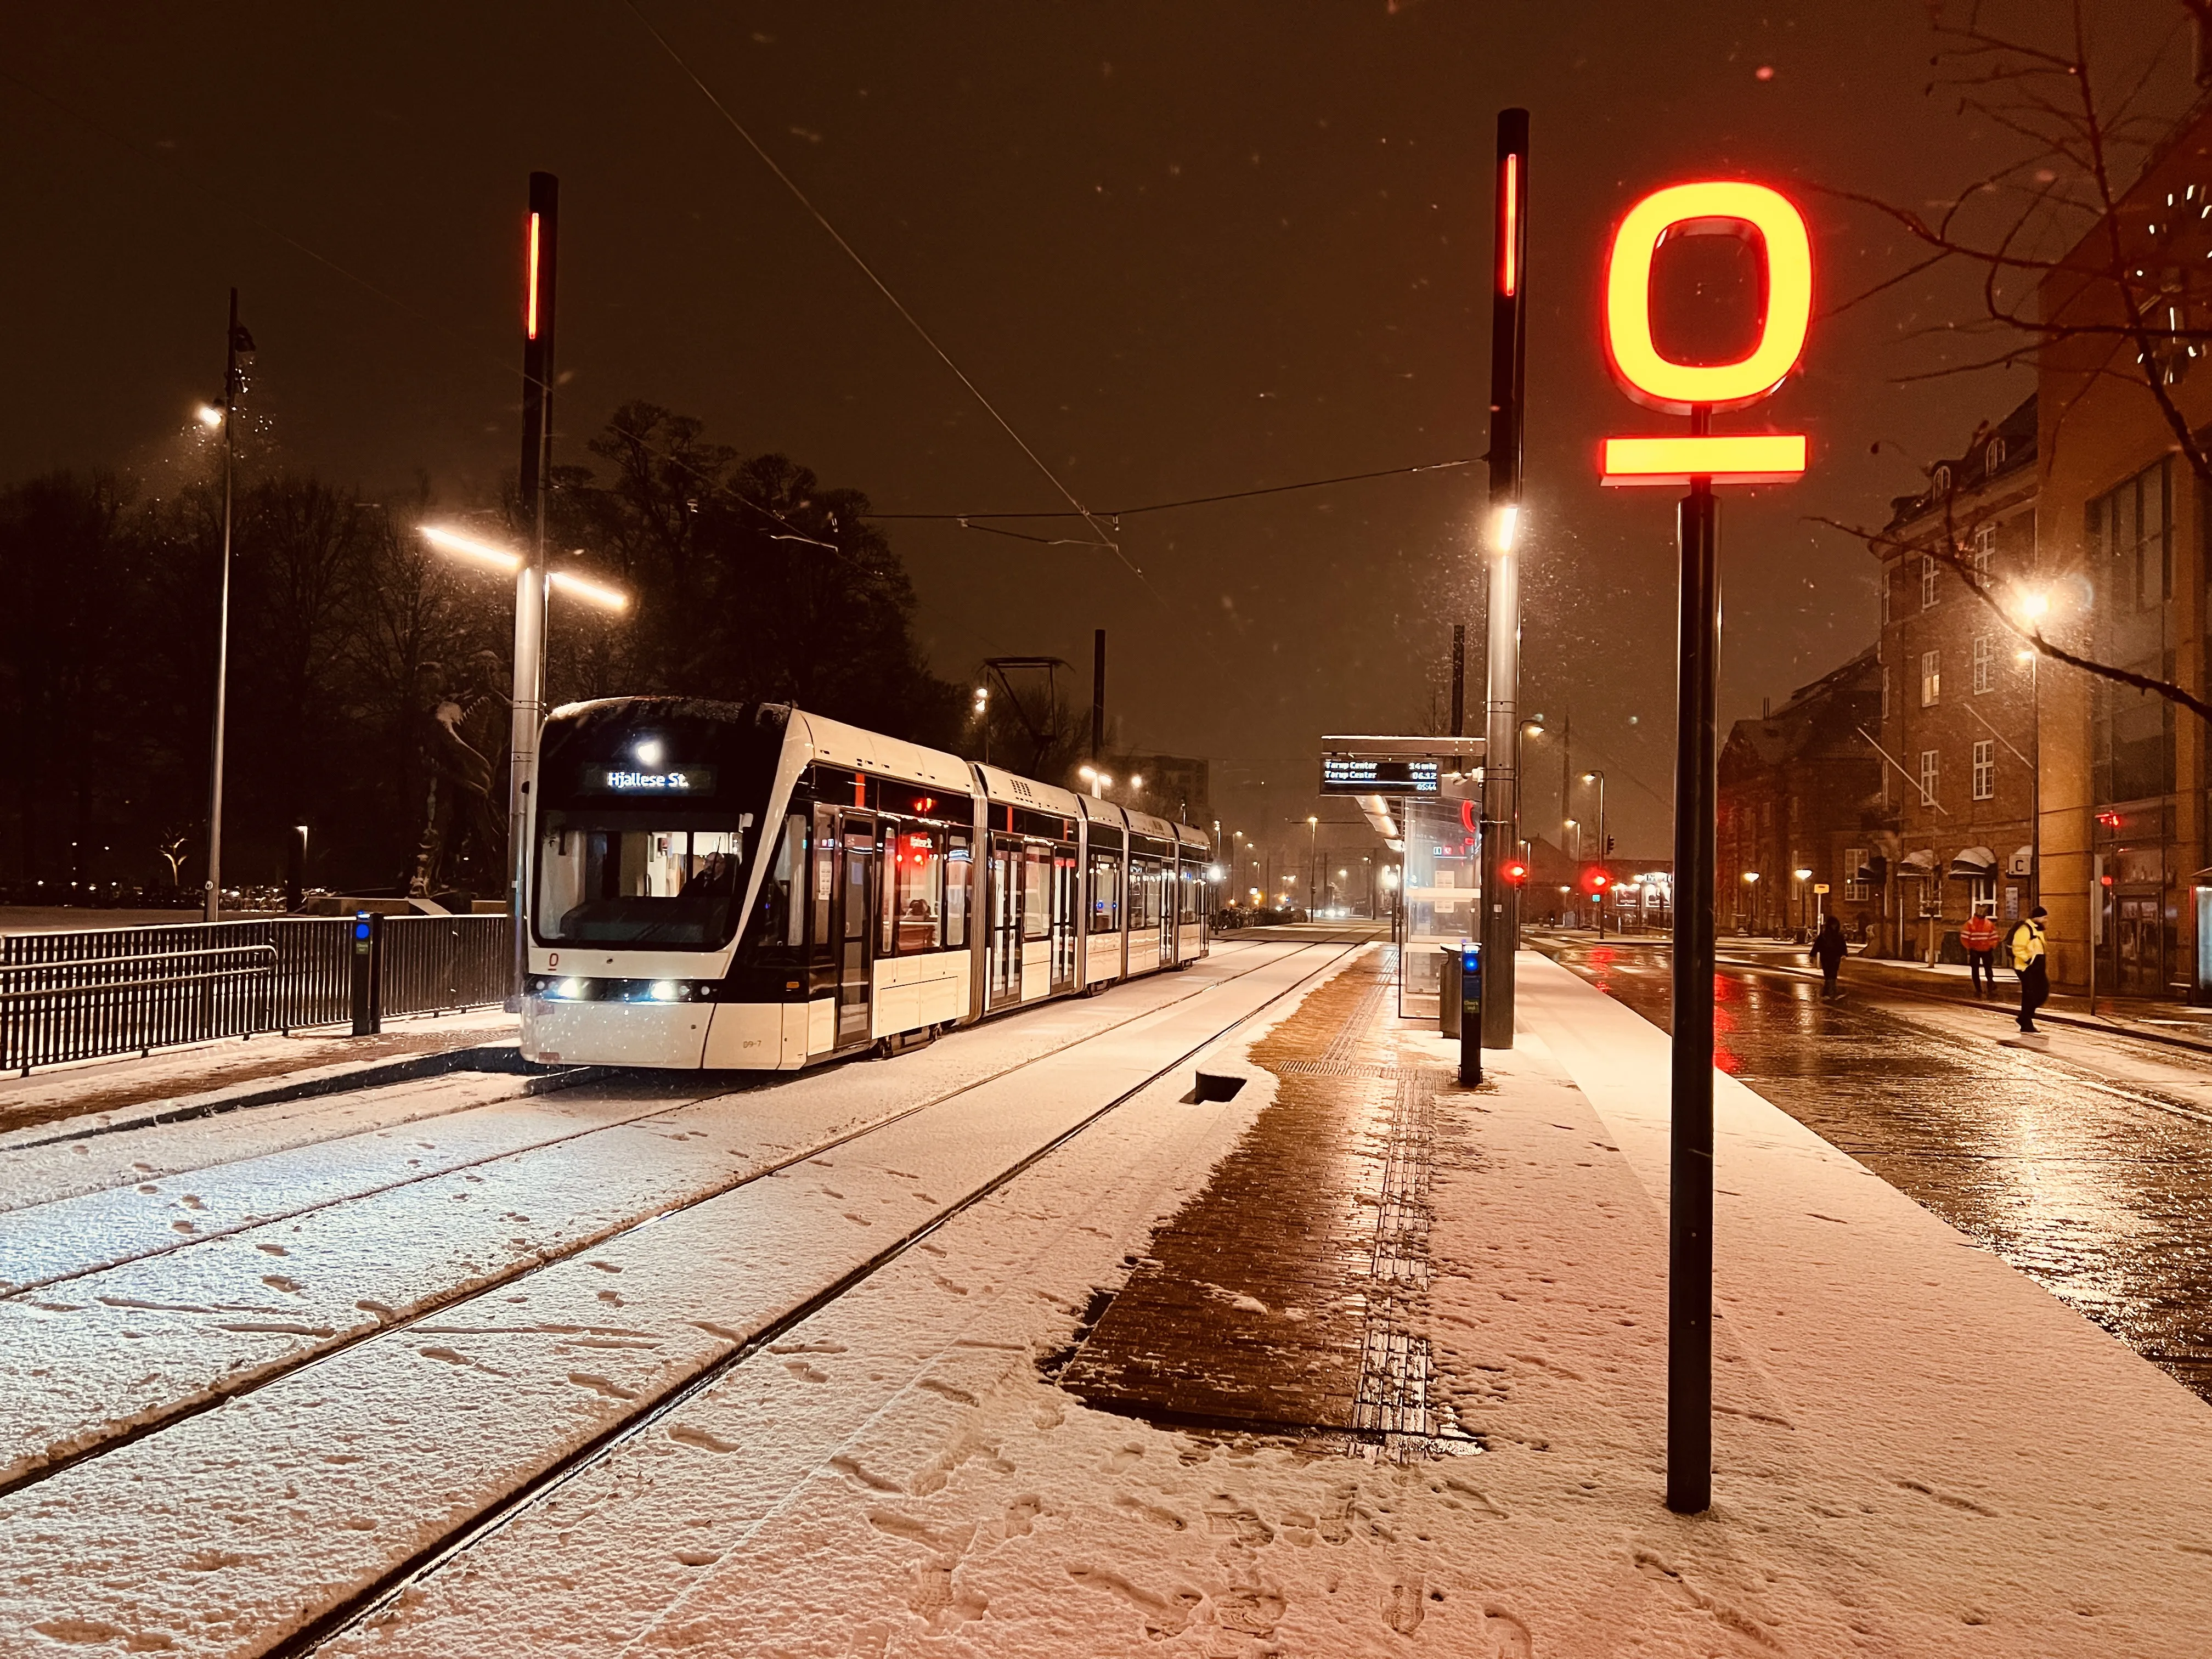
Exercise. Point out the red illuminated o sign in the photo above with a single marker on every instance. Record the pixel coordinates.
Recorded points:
(1722, 208)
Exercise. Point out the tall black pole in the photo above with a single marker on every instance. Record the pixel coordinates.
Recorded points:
(1690, 1208)
(540, 249)
(232, 339)
(1459, 680)
(1097, 695)
(1500, 926)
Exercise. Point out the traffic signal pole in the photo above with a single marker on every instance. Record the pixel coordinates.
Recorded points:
(1500, 928)
(529, 688)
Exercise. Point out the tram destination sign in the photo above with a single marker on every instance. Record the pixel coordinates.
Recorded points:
(659, 781)
(1358, 775)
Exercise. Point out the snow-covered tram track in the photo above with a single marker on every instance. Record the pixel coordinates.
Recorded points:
(85, 1392)
(319, 1495)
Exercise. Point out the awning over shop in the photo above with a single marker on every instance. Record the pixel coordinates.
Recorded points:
(1974, 864)
(1919, 862)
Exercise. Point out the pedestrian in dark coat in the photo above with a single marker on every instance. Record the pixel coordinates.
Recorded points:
(1828, 950)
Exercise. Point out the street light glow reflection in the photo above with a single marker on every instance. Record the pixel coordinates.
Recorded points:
(596, 594)
(1505, 525)
(468, 547)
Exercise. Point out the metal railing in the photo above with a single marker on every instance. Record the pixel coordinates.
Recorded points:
(122, 990)
(436, 963)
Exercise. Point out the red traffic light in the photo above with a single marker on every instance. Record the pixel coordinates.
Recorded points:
(1596, 881)
(1514, 873)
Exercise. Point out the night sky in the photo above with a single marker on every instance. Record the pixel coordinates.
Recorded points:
(1185, 249)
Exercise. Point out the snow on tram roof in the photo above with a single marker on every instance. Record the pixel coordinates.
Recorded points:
(1013, 789)
(870, 751)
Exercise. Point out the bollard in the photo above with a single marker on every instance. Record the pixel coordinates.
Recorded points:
(1470, 1014)
(368, 975)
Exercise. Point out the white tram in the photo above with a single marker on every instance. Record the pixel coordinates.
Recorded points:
(748, 885)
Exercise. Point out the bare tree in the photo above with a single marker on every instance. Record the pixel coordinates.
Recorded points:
(2077, 265)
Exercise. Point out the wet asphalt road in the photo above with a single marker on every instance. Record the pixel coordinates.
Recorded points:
(2086, 1164)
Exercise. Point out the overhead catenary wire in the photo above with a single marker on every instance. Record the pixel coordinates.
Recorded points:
(969, 520)
(896, 304)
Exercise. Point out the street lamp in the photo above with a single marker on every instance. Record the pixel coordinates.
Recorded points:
(1751, 890)
(2034, 605)
(1313, 859)
(1800, 877)
(236, 342)
(1575, 824)
(1604, 846)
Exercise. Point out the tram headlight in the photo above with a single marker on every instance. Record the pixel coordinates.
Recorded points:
(566, 990)
(666, 990)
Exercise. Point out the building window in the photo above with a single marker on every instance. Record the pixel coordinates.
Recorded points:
(1986, 552)
(1939, 482)
(1985, 768)
(1929, 770)
(1855, 890)
(1887, 574)
(1985, 663)
(2132, 528)
(1993, 457)
(1927, 580)
(1931, 678)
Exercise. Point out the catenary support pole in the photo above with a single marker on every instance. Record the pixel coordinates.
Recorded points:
(231, 337)
(1690, 1207)
(529, 690)
(1459, 680)
(1500, 928)
(1097, 695)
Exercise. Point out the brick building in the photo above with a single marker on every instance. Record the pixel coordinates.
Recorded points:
(1959, 730)
(1800, 789)
(2121, 527)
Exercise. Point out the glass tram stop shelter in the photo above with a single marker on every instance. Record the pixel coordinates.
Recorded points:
(1422, 797)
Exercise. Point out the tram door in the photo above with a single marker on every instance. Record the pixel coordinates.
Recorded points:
(1066, 878)
(1005, 921)
(856, 890)
(1171, 908)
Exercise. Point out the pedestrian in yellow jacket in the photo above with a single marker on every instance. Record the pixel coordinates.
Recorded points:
(2027, 961)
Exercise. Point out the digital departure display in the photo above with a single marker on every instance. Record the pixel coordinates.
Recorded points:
(600, 779)
(1351, 775)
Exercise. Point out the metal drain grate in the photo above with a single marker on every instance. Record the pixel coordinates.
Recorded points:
(1337, 1068)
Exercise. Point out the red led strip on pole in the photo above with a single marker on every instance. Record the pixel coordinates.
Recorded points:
(530, 308)
(1508, 240)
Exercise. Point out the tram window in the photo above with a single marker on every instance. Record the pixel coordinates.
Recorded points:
(1143, 894)
(1105, 893)
(1187, 890)
(1037, 891)
(628, 886)
(917, 871)
(825, 877)
(780, 918)
(959, 866)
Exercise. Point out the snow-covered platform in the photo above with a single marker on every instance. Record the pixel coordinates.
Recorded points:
(1356, 1363)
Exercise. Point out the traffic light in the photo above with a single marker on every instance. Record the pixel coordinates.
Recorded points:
(1513, 874)
(1608, 847)
(1596, 881)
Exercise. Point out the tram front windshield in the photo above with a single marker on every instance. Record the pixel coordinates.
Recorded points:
(609, 884)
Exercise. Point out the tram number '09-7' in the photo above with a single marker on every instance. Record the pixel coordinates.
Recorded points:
(1716, 208)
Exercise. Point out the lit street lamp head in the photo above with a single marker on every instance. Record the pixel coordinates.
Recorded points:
(209, 416)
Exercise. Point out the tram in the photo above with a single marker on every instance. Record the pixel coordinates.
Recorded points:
(751, 886)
